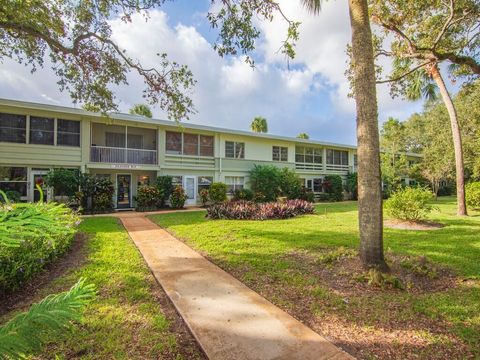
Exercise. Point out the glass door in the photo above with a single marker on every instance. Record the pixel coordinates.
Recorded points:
(38, 177)
(124, 191)
(190, 188)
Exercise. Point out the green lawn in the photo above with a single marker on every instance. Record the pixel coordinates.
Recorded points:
(281, 259)
(126, 321)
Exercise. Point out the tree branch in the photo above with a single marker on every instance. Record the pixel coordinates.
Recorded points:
(405, 74)
(446, 24)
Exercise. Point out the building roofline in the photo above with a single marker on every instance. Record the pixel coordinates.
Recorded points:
(186, 125)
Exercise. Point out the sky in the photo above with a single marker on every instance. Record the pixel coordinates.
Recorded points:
(308, 95)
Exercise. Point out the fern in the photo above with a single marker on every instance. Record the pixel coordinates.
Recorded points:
(26, 332)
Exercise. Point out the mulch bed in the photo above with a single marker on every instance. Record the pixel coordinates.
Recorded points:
(412, 225)
(356, 328)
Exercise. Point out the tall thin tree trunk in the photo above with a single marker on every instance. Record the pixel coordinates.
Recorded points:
(370, 212)
(457, 139)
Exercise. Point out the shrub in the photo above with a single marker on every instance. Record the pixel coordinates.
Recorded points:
(333, 186)
(248, 210)
(218, 192)
(31, 236)
(178, 197)
(307, 195)
(165, 187)
(204, 196)
(265, 180)
(351, 185)
(63, 181)
(95, 195)
(411, 204)
(148, 198)
(243, 194)
(290, 184)
(472, 195)
(12, 195)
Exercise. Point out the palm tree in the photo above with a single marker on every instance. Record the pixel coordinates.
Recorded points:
(425, 83)
(259, 125)
(370, 212)
(303, 136)
(142, 110)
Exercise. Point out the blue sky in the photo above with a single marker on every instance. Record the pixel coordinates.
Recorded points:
(309, 96)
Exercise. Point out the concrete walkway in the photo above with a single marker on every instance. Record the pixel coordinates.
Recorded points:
(229, 320)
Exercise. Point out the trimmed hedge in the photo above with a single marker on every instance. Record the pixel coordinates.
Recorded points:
(333, 186)
(218, 192)
(472, 194)
(148, 198)
(31, 236)
(248, 210)
(411, 204)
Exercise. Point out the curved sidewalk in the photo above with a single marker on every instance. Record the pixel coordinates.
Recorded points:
(228, 319)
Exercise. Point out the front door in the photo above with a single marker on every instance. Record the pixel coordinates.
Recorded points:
(190, 186)
(124, 191)
(38, 177)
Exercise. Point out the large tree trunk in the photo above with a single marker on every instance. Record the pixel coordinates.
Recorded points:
(457, 140)
(370, 212)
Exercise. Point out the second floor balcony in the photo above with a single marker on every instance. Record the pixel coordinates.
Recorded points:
(117, 144)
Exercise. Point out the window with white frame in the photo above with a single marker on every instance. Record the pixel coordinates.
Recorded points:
(204, 182)
(315, 185)
(177, 180)
(337, 157)
(279, 153)
(188, 144)
(306, 154)
(234, 183)
(235, 150)
(13, 128)
(14, 179)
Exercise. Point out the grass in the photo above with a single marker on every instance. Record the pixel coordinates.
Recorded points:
(269, 256)
(126, 321)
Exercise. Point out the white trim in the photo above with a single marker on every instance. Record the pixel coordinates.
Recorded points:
(195, 188)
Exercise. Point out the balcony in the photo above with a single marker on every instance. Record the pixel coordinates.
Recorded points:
(117, 144)
(113, 155)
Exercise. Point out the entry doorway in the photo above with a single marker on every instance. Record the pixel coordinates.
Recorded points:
(124, 191)
(190, 186)
(38, 177)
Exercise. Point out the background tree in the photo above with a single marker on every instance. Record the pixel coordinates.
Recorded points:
(425, 34)
(259, 125)
(393, 160)
(142, 110)
(303, 136)
(76, 36)
(370, 211)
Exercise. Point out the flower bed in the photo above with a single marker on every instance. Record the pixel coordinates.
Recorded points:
(31, 236)
(248, 210)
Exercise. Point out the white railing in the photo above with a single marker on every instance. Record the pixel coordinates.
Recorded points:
(331, 167)
(309, 166)
(105, 154)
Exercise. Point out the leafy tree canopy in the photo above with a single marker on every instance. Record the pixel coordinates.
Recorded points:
(74, 37)
(303, 136)
(259, 125)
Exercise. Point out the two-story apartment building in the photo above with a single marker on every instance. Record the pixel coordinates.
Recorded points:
(133, 150)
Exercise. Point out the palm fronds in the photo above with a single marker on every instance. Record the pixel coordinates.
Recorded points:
(26, 332)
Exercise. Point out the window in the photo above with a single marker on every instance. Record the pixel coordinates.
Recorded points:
(134, 141)
(234, 183)
(114, 139)
(42, 130)
(68, 132)
(177, 180)
(279, 153)
(13, 128)
(189, 144)
(204, 182)
(103, 176)
(234, 150)
(206, 145)
(14, 179)
(355, 160)
(315, 185)
(337, 157)
(308, 155)
(173, 144)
